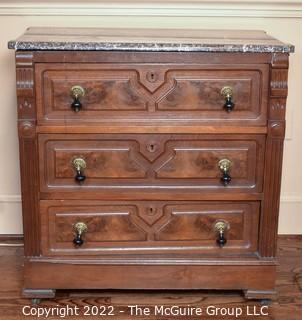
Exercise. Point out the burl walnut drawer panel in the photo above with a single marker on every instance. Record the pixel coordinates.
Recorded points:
(158, 161)
(151, 92)
(117, 228)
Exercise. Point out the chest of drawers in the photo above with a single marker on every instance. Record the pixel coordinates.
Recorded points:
(150, 162)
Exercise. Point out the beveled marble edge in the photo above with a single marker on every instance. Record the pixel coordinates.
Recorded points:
(147, 46)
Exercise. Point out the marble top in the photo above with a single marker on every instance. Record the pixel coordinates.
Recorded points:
(96, 39)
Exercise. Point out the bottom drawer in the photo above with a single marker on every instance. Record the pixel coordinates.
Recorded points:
(148, 227)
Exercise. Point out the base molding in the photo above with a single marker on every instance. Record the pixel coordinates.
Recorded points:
(11, 237)
(45, 275)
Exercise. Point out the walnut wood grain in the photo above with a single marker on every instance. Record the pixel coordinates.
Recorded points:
(111, 193)
(178, 93)
(155, 161)
(151, 128)
(146, 228)
(148, 277)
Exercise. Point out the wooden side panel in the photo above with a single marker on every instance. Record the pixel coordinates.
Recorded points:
(274, 154)
(29, 165)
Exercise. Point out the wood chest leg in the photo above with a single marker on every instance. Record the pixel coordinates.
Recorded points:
(260, 294)
(38, 293)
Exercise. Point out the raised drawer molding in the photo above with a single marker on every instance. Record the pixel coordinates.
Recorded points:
(135, 162)
(150, 156)
(185, 93)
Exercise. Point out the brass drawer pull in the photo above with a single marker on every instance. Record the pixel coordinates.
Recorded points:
(220, 228)
(224, 166)
(80, 228)
(77, 92)
(227, 93)
(79, 165)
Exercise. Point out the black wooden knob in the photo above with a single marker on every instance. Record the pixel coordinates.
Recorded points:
(229, 105)
(221, 240)
(76, 105)
(225, 178)
(78, 241)
(79, 177)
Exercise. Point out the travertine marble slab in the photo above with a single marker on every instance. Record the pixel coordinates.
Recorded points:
(148, 40)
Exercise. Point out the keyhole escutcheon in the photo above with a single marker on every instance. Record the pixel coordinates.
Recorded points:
(152, 76)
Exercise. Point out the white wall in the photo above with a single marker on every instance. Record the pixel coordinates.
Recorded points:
(282, 19)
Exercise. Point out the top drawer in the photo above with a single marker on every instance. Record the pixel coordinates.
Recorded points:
(152, 93)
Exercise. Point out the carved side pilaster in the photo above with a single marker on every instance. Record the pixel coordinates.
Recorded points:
(28, 151)
(274, 155)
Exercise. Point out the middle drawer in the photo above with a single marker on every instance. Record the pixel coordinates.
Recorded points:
(104, 162)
